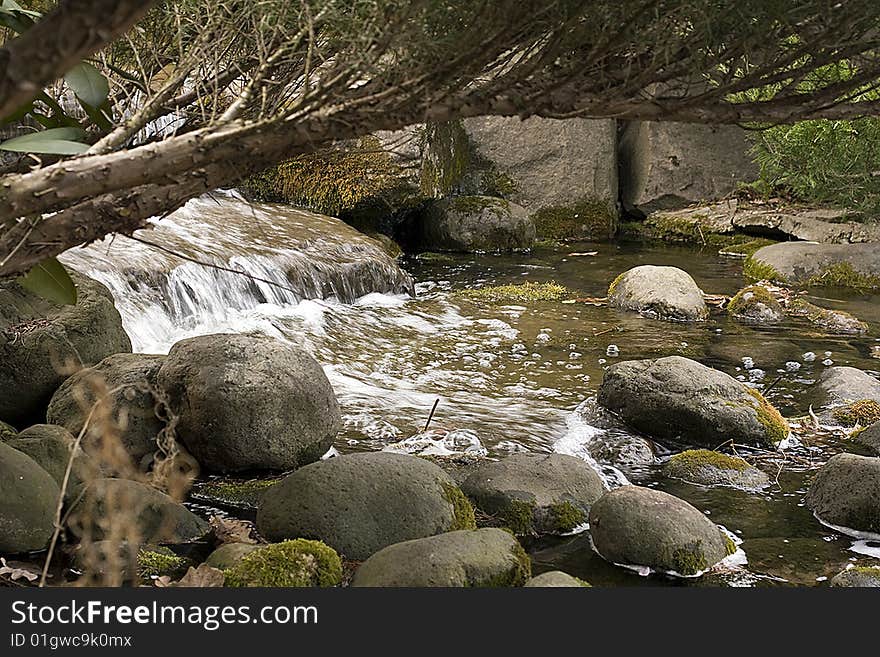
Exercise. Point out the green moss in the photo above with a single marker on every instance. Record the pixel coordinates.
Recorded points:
(518, 516)
(498, 183)
(586, 219)
(564, 517)
(694, 459)
(689, 560)
(615, 283)
(756, 270)
(430, 256)
(295, 563)
(842, 274)
(744, 249)
(834, 320)
(477, 204)
(446, 157)
(776, 428)
(161, 562)
(750, 296)
(234, 493)
(337, 181)
(462, 510)
(729, 545)
(518, 574)
(583, 583)
(529, 292)
(863, 412)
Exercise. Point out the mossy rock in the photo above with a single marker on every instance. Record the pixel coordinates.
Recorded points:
(635, 526)
(830, 321)
(709, 468)
(160, 561)
(535, 494)
(855, 266)
(755, 304)
(524, 293)
(556, 579)
(470, 558)
(586, 219)
(296, 563)
(863, 412)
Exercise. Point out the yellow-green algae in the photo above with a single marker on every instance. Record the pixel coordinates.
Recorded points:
(528, 292)
(750, 296)
(517, 575)
(776, 427)
(689, 560)
(757, 270)
(564, 516)
(160, 562)
(693, 459)
(843, 274)
(462, 511)
(234, 493)
(295, 563)
(863, 412)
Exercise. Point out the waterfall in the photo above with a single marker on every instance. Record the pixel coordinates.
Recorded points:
(254, 254)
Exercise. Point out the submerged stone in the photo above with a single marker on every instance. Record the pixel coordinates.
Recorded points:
(858, 576)
(709, 468)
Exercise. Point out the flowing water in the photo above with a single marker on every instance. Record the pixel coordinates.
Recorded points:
(508, 377)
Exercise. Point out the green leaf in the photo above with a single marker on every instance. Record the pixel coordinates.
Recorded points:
(88, 83)
(57, 141)
(50, 280)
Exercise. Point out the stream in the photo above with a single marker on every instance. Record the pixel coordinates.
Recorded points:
(508, 377)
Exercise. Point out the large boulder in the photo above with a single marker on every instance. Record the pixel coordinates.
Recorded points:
(248, 402)
(126, 383)
(467, 558)
(471, 223)
(846, 493)
(360, 503)
(41, 343)
(709, 468)
(847, 384)
(535, 493)
(53, 448)
(670, 165)
(811, 263)
(680, 400)
(869, 439)
(659, 292)
(29, 497)
(142, 514)
(635, 526)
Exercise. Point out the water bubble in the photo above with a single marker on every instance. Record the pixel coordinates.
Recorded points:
(827, 354)
(612, 350)
(748, 362)
(542, 337)
(792, 366)
(602, 361)
(575, 354)
(828, 362)
(756, 374)
(809, 357)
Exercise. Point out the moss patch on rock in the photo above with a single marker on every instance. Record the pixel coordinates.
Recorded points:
(588, 218)
(697, 458)
(749, 296)
(771, 419)
(463, 512)
(243, 494)
(843, 274)
(295, 563)
(564, 517)
(159, 562)
(529, 292)
(757, 270)
(690, 560)
(518, 516)
(863, 412)
(744, 249)
(518, 575)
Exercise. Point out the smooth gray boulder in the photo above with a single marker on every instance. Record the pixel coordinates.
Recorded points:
(683, 401)
(126, 383)
(869, 439)
(709, 468)
(635, 526)
(555, 579)
(535, 493)
(473, 223)
(139, 512)
(846, 493)
(249, 402)
(229, 554)
(360, 503)
(659, 292)
(52, 447)
(29, 497)
(847, 384)
(811, 263)
(468, 558)
(858, 577)
(42, 343)
(665, 165)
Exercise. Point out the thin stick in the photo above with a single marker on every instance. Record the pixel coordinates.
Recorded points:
(431, 416)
